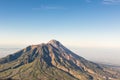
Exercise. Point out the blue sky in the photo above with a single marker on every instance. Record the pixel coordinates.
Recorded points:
(76, 23)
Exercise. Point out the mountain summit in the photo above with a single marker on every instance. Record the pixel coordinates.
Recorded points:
(53, 41)
(52, 61)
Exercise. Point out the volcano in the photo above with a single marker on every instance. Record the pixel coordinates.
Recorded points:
(52, 61)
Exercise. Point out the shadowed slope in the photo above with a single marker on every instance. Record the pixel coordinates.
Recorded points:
(52, 61)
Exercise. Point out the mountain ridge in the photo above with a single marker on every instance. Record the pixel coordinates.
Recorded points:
(46, 60)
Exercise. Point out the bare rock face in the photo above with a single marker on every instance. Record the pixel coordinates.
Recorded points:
(52, 61)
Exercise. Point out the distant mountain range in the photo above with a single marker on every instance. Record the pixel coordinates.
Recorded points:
(52, 61)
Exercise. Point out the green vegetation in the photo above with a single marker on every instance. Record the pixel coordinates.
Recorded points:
(52, 61)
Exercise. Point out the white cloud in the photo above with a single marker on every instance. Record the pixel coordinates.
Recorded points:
(43, 7)
(111, 1)
(106, 1)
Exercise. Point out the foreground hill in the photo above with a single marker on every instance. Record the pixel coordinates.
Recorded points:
(52, 61)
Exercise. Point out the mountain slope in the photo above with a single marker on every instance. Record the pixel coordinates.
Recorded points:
(52, 61)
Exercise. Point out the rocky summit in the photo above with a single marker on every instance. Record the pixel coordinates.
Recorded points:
(52, 61)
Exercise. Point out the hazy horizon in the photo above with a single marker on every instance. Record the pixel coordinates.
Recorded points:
(88, 25)
(99, 55)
